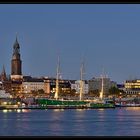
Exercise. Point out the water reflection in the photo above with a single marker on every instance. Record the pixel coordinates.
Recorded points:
(80, 110)
(5, 110)
(58, 110)
(71, 122)
(133, 108)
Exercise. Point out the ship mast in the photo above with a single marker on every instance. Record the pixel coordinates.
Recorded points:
(81, 82)
(102, 88)
(57, 79)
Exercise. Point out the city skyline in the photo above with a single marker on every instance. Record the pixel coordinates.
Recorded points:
(105, 36)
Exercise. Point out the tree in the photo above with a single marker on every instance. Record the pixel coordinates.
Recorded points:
(94, 92)
(41, 91)
(73, 92)
(114, 91)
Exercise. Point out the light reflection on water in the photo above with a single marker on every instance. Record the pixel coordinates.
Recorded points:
(71, 122)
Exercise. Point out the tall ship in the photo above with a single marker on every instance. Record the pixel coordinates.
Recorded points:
(73, 104)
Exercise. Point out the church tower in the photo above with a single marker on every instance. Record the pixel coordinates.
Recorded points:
(3, 75)
(16, 63)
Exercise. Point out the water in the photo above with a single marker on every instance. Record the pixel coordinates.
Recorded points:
(71, 122)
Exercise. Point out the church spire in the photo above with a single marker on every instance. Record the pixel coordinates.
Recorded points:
(16, 41)
(16, 61)
(16, 47)
(3, 69)
(3, 74)
(16, 36)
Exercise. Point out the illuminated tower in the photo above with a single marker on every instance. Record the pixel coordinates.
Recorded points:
(16, 70)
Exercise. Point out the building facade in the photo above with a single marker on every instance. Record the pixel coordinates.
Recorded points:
(31, 84)
(50, 85)
(132, 87)
(96, 84)
(75, 84)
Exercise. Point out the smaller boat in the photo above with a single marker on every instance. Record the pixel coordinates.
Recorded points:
(102, 104)
(127, 105)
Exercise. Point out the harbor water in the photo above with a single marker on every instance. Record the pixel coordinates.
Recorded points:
(71, 122)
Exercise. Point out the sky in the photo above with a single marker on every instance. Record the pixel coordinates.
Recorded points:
(104, 36)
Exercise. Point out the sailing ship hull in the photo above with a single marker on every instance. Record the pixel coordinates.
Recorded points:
(102, 105)
(60, 103)
(71, 104)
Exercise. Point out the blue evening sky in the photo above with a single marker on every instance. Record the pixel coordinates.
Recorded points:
(104, 35)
